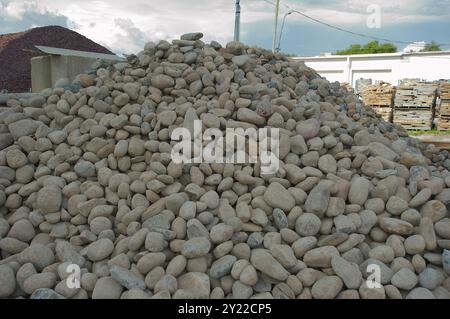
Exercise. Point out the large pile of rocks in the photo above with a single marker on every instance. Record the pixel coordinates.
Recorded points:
(87, 179)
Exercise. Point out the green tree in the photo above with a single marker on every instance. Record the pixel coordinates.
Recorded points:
(432, 46)
(369, 48)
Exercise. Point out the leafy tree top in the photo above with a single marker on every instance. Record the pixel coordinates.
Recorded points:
(369, 48)
(432, 46)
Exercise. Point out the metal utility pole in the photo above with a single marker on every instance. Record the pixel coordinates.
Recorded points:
(237, 21)
(275, 31)
(282, 27)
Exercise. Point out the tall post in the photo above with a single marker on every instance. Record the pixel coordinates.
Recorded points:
(281, 31)
(275, 31)
(237, 21)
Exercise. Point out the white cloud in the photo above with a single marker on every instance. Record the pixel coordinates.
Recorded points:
(22, 15)
(15, 10)
(130, 39)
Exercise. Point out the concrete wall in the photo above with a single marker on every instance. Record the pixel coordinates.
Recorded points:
(391, 67)
(41, 75)
(47, 70)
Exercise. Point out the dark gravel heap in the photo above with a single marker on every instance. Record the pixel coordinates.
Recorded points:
(17, 49)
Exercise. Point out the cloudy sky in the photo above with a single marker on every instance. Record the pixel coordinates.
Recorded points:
(125, 26)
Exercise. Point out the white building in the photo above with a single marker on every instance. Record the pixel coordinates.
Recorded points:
(389, 67)
(415, 47)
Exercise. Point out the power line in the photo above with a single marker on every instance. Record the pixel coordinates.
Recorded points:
(345, 30)
(355, 33)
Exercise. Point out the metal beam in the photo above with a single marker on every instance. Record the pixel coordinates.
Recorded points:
(83, 54)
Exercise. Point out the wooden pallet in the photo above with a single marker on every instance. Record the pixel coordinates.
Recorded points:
(385, 112)
(413, 94)
(444, 106)
(413, 119)
(444, 123)
(380, 97)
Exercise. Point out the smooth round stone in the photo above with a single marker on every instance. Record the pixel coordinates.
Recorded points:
(383, 253)
(188, 210)
(49, 199)
(420, 293)
(277, 196)
(443, 228)
(320, 257)
(249, 276)
(434, 209)
(196, 247)
(221, 233)
(39, 255)
(280, 219)
(100, 249)
(308, 129)
(308, 225)
(7, 281)
(348, 272)
(375, 204)
(16, 158)
(420, 198)
(85, 169)
(126, 277)
(396, 205)
(414, 244)
(107, 288)
(37, 281)
(263, 261)
(155, 242)
(99, 224)
(366, 292)
(431, 278)
(359, 191)
(22, 230)
(166, 283)
(45, 293)
(167, 117)
(327, 287)
(162, 81)
(327, 164)
(404, 279)
(222, 266)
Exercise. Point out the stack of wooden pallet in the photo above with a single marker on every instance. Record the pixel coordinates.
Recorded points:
(444, 109)
(361, 84)
(414, 104)
(380, 97)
